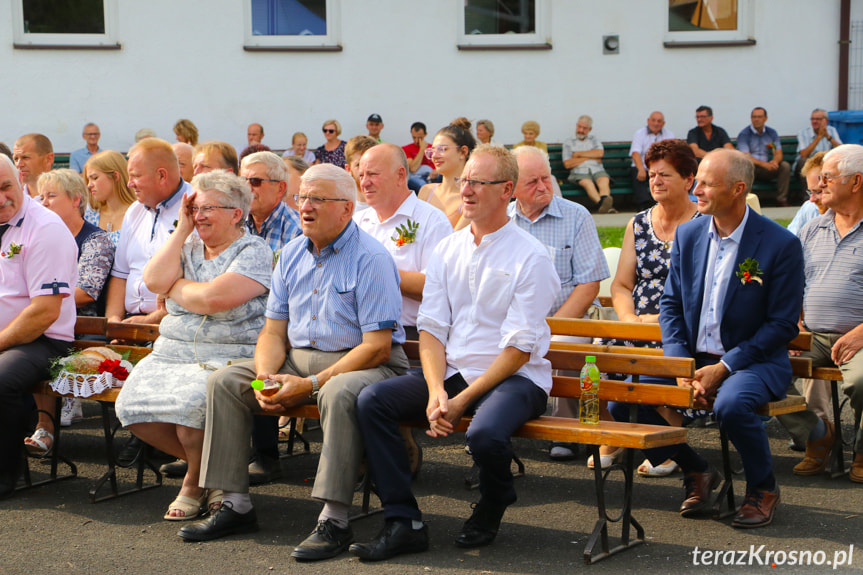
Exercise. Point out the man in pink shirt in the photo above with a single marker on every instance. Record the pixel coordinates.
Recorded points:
(38, 272)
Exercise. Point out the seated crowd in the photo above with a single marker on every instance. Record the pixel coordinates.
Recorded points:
(312, 269)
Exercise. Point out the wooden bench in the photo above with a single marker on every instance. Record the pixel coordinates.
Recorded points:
(836, 466)
(621, 434)
(651, 332)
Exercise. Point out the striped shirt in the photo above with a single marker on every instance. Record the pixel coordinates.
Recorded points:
(282, 225)
(567, 230)
(332, 298)
(833, 268)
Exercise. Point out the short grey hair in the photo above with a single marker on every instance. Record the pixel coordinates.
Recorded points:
(532, 151)
(233, 189)
(276, 168)
(70, 182)
(296, 163)
(849, 158)
(739, 168)
(345, 185)
(585, 119)
(821, 111)
(8, 161)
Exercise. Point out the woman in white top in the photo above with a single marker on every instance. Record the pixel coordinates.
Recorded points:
(449, 152)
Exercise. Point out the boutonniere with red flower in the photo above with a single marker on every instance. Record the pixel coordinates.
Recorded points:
(749, 272)
(771, 146)
(14, 250)
(407, 233)
(113, 367)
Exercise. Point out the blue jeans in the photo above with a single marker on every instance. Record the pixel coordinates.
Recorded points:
(496, 416)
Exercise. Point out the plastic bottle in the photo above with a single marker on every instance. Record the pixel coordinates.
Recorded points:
(588, 405)
(267, 387)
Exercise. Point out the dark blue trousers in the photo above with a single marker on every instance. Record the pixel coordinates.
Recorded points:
(496, 416)
(737, 401)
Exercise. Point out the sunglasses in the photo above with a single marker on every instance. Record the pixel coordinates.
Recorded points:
(329, 131)
(256, 182)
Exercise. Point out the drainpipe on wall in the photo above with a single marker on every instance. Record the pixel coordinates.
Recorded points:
(844, 49)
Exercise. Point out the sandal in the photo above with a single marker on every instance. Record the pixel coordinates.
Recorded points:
(191, 508)
(663, 470)
(40, 443)
(606, 460)
(214, 499)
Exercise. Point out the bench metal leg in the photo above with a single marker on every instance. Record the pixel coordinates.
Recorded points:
(836, 465)
(600, 531)
(110, 476)
(367, 488)
(53, 455)
(726, 490)
(294, 435)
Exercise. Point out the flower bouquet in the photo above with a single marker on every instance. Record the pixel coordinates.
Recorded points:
(90, 372)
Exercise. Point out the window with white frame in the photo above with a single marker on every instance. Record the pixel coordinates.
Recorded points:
(292, 24)
(713, 22)
(64, 23)
(502, 24)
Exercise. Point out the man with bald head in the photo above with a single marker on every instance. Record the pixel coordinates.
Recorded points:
(654, 131)
(185, 157)
(408, 228)
(38, 274)
(33, 155)
(154, 176)
(255, 133)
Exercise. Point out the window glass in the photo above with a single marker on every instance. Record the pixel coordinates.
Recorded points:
(701, 15)
(499, 17)
(63, 16)
(289, 17)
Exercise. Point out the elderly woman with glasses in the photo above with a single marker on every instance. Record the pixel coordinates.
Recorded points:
(64, 193)
(333, 150)
(449, 152)
(813, 207)
(216, 284)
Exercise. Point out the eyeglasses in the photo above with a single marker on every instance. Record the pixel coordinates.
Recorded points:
(815, 192)
(701, 116)
(474, 184)
(315, 201)
(207, 210)
(329, 131)
(432, 150)
(256, 182)
(828, 178)
(91, 133)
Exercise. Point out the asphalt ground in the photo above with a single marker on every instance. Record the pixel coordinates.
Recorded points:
(54, 528)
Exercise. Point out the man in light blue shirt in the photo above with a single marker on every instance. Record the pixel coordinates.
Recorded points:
(761, 143)
(78, 158)
(819, 137)
(332, 329)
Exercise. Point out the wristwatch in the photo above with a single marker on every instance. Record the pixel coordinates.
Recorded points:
(315, 387)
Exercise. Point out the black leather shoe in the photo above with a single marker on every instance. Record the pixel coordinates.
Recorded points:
(223, 521)
(698, 487)
(130, 452)
(176, 468)
(482, 526)
(264, 470)
(327, 540)
(396, 538)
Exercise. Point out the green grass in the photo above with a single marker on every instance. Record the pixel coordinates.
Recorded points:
(613, 237)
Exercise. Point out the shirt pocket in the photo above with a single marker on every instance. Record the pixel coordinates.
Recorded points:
(562, 260)
(495, 292)
(343, 306)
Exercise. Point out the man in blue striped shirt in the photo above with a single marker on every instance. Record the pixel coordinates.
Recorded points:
(334, 306)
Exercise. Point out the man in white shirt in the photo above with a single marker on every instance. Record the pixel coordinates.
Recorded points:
(653, 132)
(154, 175)
(483, 338)
(409, 228)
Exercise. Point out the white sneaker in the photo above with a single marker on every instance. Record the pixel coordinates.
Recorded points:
(71, 412)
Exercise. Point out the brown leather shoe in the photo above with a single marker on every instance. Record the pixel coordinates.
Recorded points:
(817, 454)
(856, 473)
(698, 487)
(757, 509)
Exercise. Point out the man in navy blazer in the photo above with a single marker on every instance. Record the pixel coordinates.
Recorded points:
(732, 300)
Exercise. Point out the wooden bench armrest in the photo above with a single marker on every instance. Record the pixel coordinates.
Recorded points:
(605, 329)
(86, 325)
(827, 373)
(624, 363)
(132, 331)
(625, 392)
(605, 348)
(801, 366)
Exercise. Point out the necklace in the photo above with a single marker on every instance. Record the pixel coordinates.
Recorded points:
(666, 244)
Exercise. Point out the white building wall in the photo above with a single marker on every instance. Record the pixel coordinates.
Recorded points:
(185, 59)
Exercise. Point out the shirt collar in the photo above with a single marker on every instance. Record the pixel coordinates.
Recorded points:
(735, 235)
(551, 210)
(277, 213)
(18, 219)
(754, 131)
